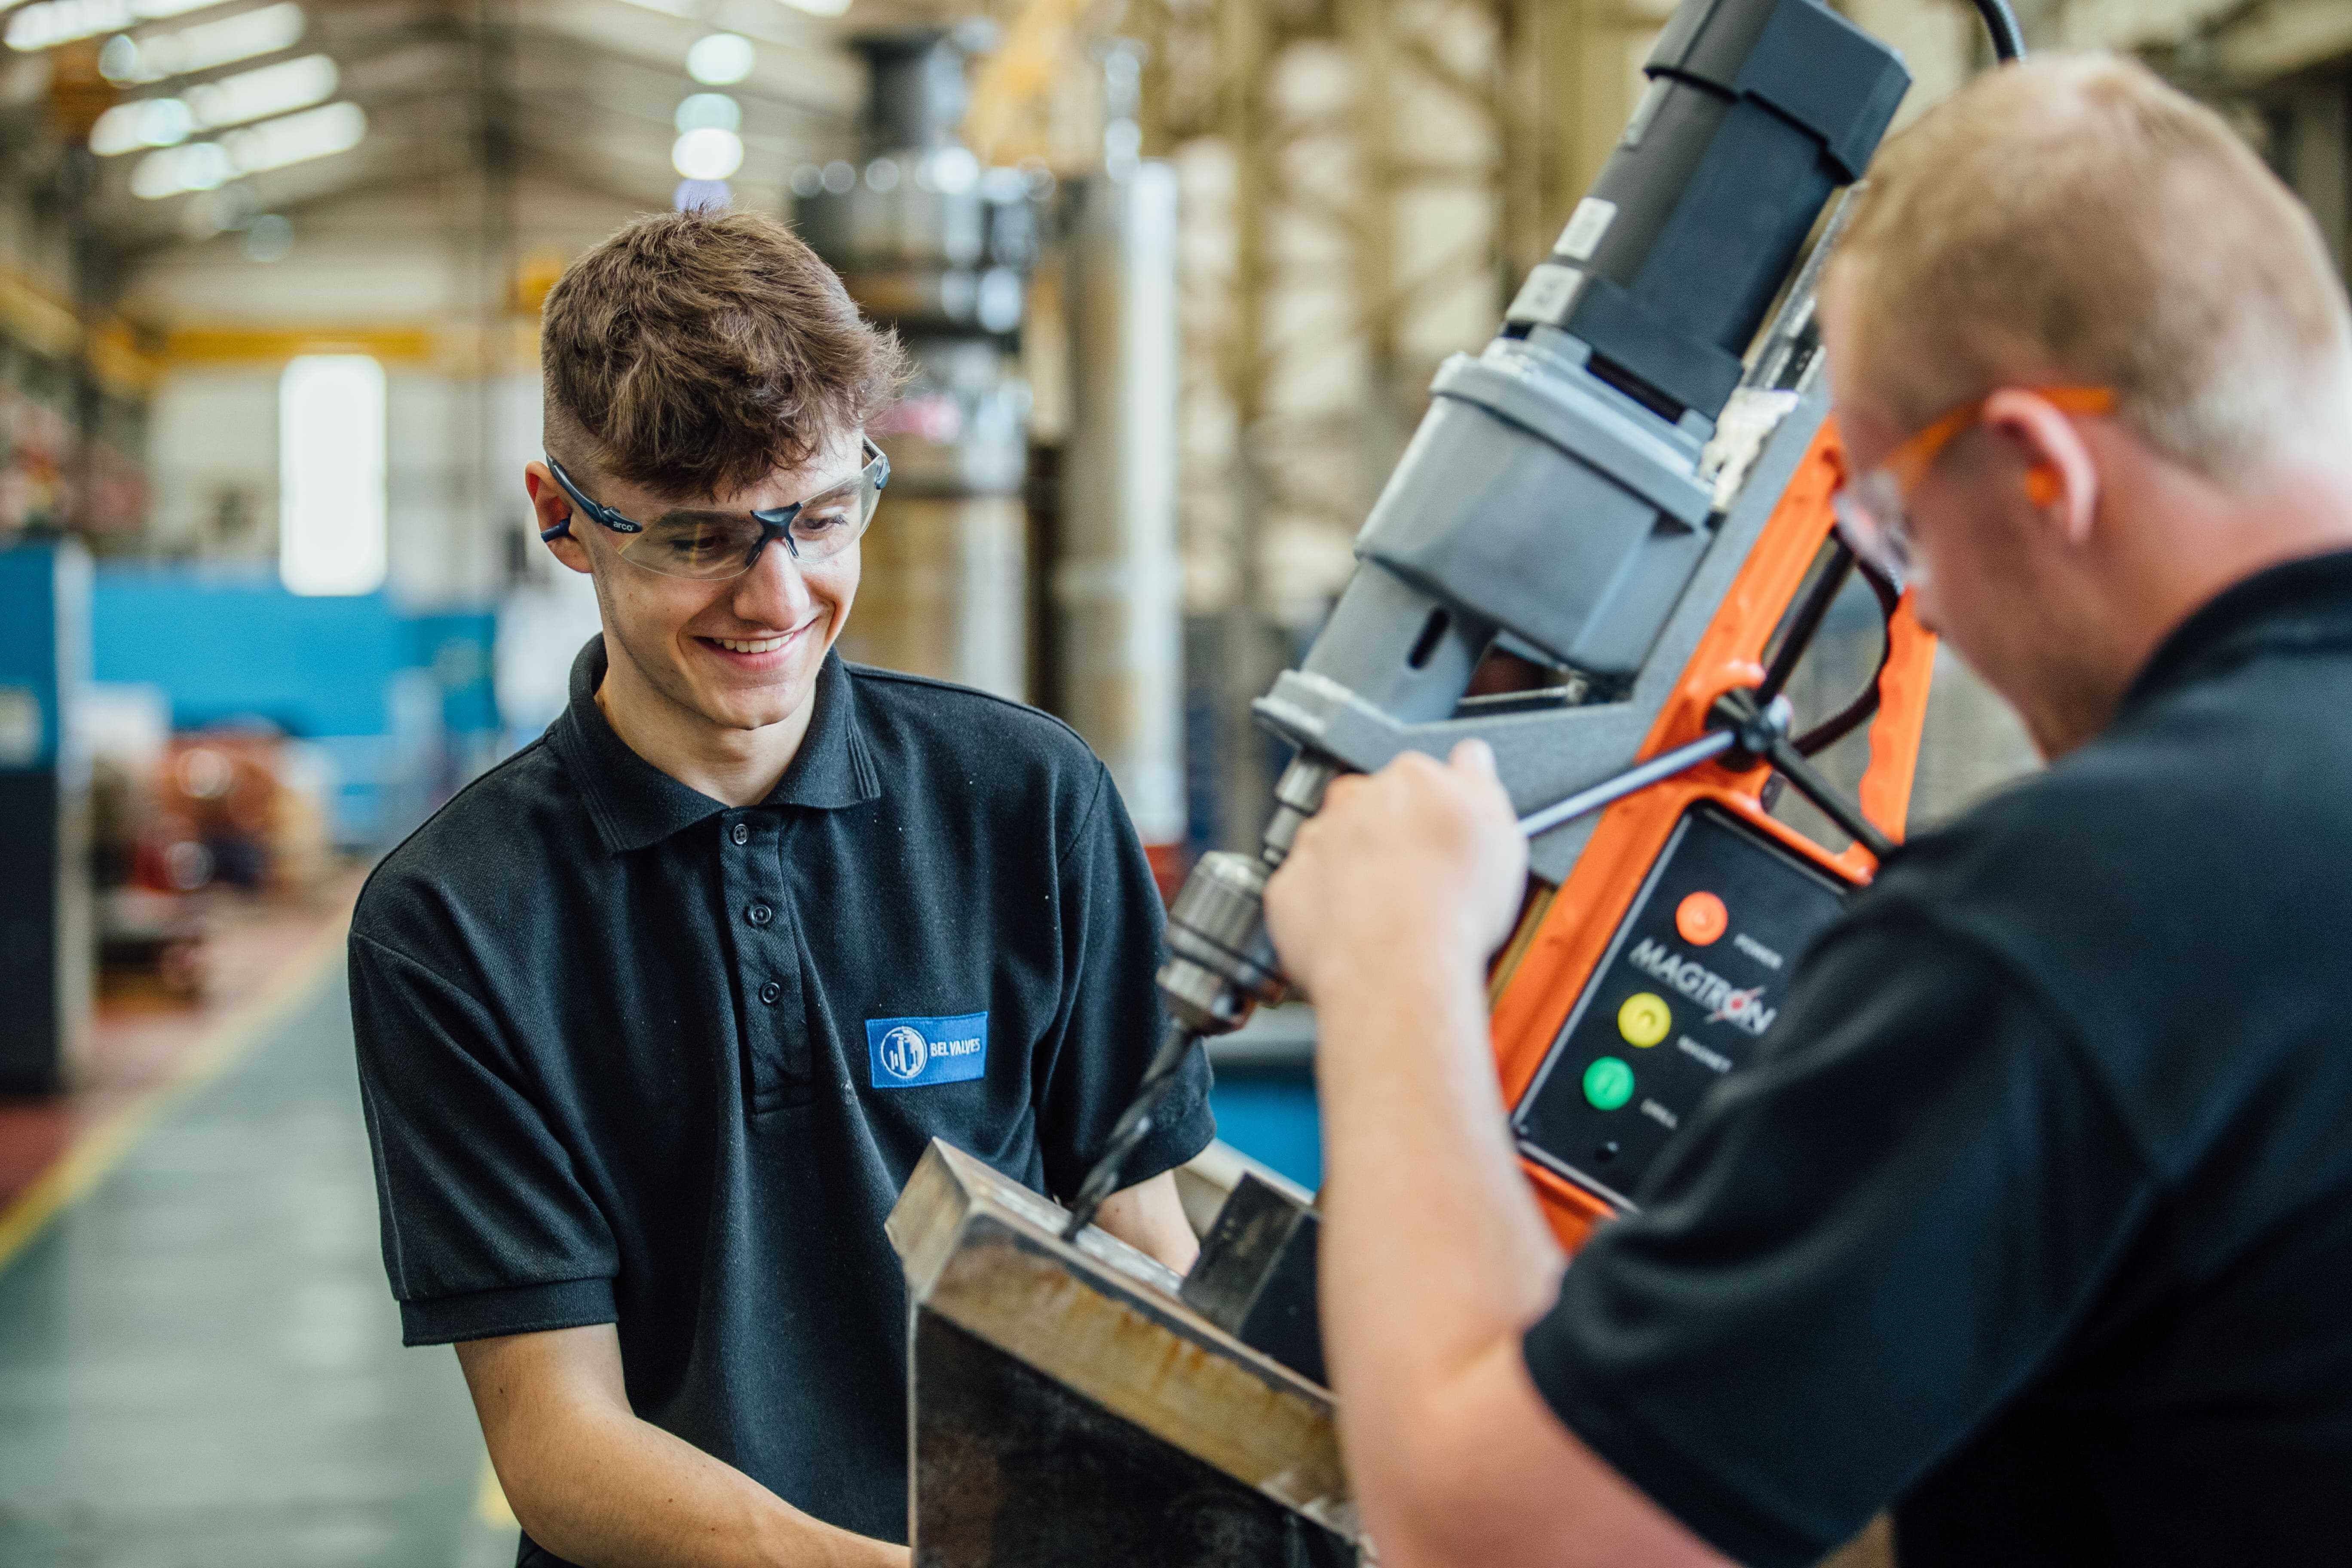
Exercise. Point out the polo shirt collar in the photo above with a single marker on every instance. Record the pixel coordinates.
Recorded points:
(2304, 603)
(634, 804)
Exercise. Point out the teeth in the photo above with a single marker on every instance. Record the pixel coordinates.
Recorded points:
(764, 645)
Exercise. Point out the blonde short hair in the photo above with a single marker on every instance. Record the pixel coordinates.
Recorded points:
(2074, 219)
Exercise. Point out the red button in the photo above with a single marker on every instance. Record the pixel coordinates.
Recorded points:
(1701, 919)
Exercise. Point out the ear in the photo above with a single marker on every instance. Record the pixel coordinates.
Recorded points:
(2061, 477)
(551, 508)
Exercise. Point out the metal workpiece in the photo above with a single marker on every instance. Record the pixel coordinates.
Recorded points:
(1256, 1276)
(1067, 1408)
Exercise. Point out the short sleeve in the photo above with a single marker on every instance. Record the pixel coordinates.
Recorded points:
(1110, 1019)
(1863, 1247)
(487, 1228)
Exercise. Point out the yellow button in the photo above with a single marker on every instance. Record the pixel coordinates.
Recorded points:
(1645, 1019)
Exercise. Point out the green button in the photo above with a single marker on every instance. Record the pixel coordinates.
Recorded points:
(1608, 1083)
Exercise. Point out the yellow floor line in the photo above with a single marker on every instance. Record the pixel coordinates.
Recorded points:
(102, 1146)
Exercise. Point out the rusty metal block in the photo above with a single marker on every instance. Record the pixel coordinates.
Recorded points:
(1066, 1407)
(1256, 1276)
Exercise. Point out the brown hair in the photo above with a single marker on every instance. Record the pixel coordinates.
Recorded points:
(2074, 219)
(696, 352)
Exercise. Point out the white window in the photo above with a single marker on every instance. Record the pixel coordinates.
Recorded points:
(331, 475)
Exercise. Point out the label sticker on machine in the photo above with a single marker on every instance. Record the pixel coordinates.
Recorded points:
(1586, 227)
(1694, 977)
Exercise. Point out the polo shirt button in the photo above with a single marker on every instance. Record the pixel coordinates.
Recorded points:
(739, 833)
(759, 914)
(770, 992)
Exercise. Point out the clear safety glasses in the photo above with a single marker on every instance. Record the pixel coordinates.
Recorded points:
(1873, 508)
(716, 545)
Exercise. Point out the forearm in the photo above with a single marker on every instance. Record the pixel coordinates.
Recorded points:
(1150, 1217)
(598, 1487)
(1433, 1244)
(607, 1491)
(1434, 1255)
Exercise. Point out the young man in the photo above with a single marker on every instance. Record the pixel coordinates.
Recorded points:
(2035, 1220)
(656, 1018)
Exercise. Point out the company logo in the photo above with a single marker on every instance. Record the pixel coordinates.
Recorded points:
(1702, 986)
(906, 1053)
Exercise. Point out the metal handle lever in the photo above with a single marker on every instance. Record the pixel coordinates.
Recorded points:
(1641, 776)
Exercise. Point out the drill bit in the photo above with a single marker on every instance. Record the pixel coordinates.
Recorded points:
(1134, 1125)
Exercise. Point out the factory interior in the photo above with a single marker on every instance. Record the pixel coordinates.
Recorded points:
(1174, 278)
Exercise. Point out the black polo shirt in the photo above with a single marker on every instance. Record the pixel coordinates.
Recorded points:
(631, 1057)
(2035, 1219)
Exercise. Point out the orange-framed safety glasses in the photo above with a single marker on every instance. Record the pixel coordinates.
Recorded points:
(1871, 509)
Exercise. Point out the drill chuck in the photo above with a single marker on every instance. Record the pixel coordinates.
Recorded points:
(1222, 962)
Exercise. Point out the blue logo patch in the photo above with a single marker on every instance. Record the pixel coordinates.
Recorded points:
(906, 1053)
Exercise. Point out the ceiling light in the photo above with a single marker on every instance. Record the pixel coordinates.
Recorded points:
(701, 195)
(204, 46)
(819, 7)
(151, 122)
(709, 110)
(952, 169)
(259, 94)
(267, 239)
(199, 166)
(55, 22)
(707, 155)
(721, 59)
(233, 100)
(272, 144)
(297, 138)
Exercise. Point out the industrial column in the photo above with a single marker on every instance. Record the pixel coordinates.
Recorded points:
(45, 954)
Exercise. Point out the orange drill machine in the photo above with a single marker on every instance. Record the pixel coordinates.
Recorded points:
(1630, 487)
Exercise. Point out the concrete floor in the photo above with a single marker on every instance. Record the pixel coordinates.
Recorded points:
(200, 1365)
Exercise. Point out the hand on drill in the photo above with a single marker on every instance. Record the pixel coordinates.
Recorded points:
(1419, 864)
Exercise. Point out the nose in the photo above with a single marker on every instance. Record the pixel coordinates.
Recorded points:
(773, 593)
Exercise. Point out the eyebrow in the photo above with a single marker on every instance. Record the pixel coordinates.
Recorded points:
(706, 514)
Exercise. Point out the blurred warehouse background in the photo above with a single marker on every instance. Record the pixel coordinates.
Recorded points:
(1176, 274)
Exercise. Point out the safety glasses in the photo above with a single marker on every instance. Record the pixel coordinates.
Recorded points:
(1873, 508)
(712, 546)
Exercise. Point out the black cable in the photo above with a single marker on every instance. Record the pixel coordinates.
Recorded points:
(1127, 1134)
(1830, 731)
(2008, 38)
(1813, 787)
(1805, 620)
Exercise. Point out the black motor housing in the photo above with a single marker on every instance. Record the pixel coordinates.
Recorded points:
(1757, 111)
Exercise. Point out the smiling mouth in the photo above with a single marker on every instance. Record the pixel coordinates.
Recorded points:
(765, 644)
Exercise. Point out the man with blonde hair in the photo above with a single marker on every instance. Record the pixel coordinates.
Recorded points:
(2033, 1221)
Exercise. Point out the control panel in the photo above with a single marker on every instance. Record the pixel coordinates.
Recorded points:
(1693, 978)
